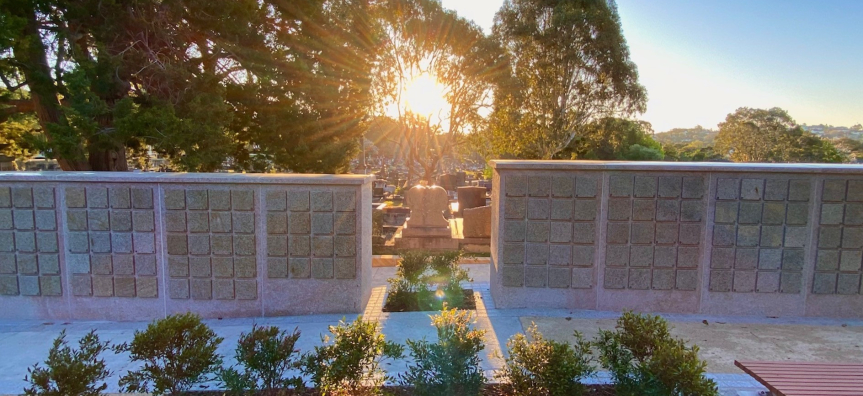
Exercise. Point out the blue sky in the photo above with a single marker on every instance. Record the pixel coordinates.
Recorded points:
(702, 59)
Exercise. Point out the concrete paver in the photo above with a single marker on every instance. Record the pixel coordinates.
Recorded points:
(23, 343)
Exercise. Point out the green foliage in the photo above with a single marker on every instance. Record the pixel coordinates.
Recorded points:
(644, 359)
(452, 365)
(177, 352)
(487, 173)
(68, 371)
(569, 65)
(540, 367)
(614, 138)
(252, 85)
(420, 38)
(417, 272)
(351, 360)
(266, 355)
(758, 135)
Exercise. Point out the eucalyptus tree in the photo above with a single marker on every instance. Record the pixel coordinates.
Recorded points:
(254, 84)
(433, 75)
(569, 65)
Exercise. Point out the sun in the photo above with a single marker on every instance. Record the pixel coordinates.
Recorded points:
(425, 96)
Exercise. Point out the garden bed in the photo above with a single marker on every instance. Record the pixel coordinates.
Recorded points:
(488, 390)
(427, 301)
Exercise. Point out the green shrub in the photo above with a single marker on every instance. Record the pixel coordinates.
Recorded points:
(644, 359)
(351, 360)
(417, 273)
(266, 356)
(177, 352)
(540, 367)
(68, 371)
(452, 365)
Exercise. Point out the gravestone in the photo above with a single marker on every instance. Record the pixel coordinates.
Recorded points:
(470, 197)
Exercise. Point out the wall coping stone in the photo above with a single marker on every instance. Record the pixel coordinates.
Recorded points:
(186, 178)
(567, 165)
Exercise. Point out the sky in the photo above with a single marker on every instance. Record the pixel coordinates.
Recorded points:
(701, 60)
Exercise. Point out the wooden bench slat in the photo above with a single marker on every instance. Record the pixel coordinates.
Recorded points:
(807, 378)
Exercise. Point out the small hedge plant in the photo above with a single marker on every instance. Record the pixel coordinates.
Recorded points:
(68, 371)
(266, 356)
(350, 362)
(452, 365)
(417, 273)
(177, 352)
(644, 359)
(540, 367)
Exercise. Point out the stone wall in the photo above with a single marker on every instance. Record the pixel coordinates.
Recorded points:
(750, 239)
(122, 246)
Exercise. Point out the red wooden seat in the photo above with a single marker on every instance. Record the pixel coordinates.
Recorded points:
(807, 378)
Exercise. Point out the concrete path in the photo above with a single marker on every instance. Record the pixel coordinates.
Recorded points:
(23, 343)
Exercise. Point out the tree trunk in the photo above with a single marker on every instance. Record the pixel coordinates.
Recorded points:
(108, 160)
(30, 51)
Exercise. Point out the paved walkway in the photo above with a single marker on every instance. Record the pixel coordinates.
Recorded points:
(23, 343)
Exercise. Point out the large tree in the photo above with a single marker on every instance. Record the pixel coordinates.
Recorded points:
(256, 84)
(424, 42)
(771, 135)
(569, 66)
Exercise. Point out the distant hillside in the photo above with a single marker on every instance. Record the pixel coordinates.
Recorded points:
(686, 136)
(836, 132)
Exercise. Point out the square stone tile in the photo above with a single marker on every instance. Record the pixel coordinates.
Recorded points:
(537, 253)
(202, 289)
(617, 256)
(539, 186)
(322, 201)
(584, 233)
(688, 256)
(223, 289)
(744, 281)
(582, 278)
(561, 232)
(559, 278)
(639, 278)
(615, 278)
(663, 279)
(790, 282)
(243, 200)
(687, 280)
(585, 186)
(751, 189)
(585, 209)
(727, 189)
(322, 268)
(693, 187)
(142, 198)
(776, 190)
(768, 282)
(722, 258)
(669, 186)
(300, 268)
(583, 255)
(721, 281)
(667, 210)
(645, 186)
(769, 259)
(513, 275)
(620, 185)
(640, 256)
(178, 288)
(246, 289)
(619, 209)
(535, 276)
(824, 283)
(643, 209)
(747, 259)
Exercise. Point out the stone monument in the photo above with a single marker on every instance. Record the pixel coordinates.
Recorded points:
(426, 228)
(427, 204)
